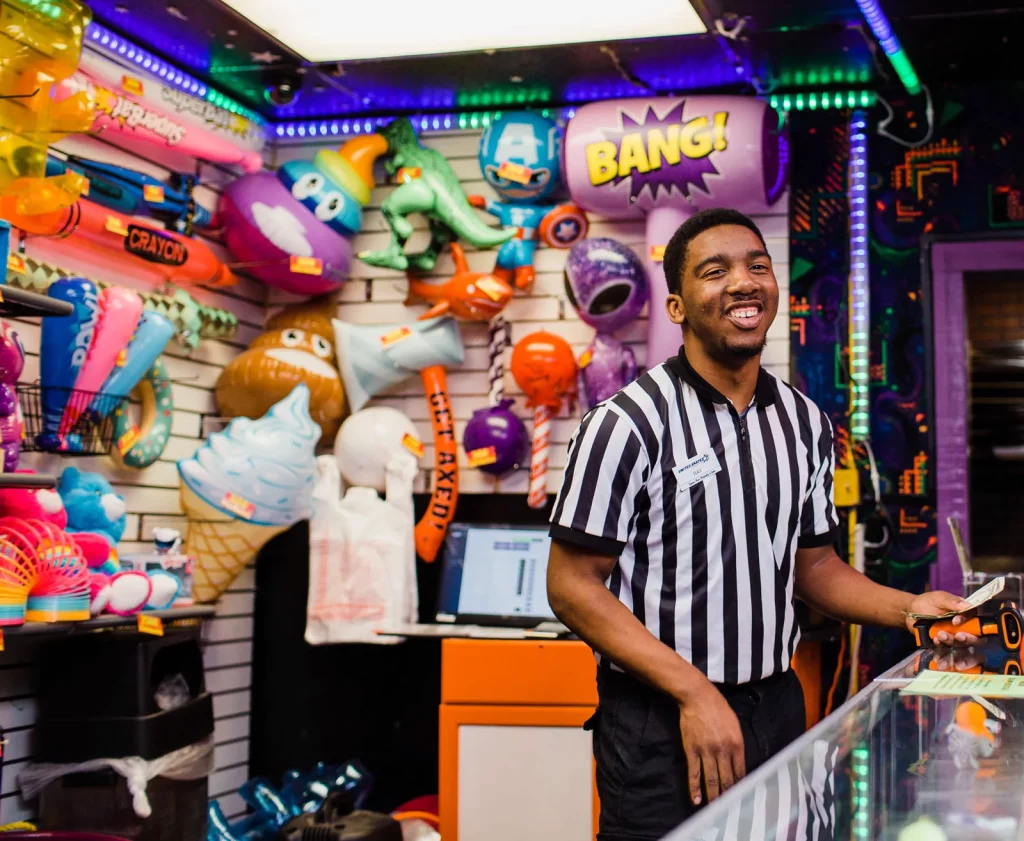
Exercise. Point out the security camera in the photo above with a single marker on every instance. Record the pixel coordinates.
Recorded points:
(282, 87)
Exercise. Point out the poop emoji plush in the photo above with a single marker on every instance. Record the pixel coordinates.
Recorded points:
(297, 347)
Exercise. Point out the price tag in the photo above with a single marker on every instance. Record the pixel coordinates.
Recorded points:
(15, 263)
(122, 358)
(515, 172)
(149, 624)
(132, 85)
(482, 456)
(585, 358)
(388, 339)
(490, 287)
(658, 253)
(306, 265)
(1, 649)
(409, 173)
(153, 193)
(129, 439)
(85, 186)
(413, 445)
(238, 505)
(115, 224)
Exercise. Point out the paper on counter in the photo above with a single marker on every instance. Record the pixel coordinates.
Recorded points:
(939, 684)
(975, 600)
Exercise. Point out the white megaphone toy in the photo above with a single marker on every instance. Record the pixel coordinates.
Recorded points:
(373, 357)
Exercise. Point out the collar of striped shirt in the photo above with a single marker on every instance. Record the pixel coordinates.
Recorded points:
(764, 391)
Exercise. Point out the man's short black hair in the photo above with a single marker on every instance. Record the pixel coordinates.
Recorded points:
(675, 251)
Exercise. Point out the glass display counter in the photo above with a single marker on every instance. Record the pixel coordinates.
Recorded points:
(930, 751)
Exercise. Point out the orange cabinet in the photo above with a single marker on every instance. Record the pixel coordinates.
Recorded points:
(515, 761)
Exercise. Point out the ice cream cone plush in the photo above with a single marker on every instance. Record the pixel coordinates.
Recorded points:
(243, 486)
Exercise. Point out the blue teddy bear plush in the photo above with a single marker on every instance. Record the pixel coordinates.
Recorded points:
(93, 508)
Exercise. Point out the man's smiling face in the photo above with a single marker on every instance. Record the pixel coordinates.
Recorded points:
(729, 293)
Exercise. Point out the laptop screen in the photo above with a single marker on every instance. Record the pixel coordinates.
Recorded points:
(495, 574)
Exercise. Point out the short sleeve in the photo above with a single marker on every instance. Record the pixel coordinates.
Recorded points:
(606, 468)
(819, 521)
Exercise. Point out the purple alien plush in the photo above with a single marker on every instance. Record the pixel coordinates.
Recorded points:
(607, 284)
(12, 360)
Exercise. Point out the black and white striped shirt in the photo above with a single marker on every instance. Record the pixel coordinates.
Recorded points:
(704, 507)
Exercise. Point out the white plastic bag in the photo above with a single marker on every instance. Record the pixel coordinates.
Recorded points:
(362, 558)
(192, 762)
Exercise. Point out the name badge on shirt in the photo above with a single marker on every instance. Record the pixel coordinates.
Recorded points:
(697, 469)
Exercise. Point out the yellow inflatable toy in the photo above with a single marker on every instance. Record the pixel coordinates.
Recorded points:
(40, 44)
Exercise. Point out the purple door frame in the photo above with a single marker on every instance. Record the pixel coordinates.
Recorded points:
(945, 263)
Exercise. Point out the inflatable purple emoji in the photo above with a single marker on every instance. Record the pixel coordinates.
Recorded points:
(292, 229)
(607, 285)
(12, 360)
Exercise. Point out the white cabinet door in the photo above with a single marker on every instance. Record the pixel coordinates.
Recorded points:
(525, 784)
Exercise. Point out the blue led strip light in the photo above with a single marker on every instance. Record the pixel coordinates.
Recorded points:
(890, 44)
(859, 294)
(108, 41)
(422, 122)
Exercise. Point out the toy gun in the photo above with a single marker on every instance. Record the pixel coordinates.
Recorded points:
(137, 194)
(1003, 625)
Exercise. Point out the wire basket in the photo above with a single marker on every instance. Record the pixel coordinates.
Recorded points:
(68, 421)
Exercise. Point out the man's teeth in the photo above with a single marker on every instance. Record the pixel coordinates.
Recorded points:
(745, 312)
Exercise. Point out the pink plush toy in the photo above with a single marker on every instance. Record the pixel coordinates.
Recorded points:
(33, 505)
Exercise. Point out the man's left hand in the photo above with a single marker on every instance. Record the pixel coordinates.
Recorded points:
(936, 602)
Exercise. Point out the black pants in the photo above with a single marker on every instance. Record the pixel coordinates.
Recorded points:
(641, 768)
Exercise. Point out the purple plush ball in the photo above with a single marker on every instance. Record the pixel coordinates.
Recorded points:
(265, 225)
(606, 283)
(498, 427)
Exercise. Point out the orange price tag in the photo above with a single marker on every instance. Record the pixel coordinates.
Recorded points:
(585, 358)
(406, 174)
(490, 287)
(85, 186)
(413, 445)
(153, 193)
(149, 624)
(515, 172)
(115, 224)
(658, 253)
(388, 339)
(482, 456)
(129, 439)
(132, 85)
(1, 649)
(306, 265)
(238, 505)
(15, 263)
(122, 358)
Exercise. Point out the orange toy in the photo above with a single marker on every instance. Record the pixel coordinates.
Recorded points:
(476, 296)
(431, 528)
(138, 247)
(544, 366)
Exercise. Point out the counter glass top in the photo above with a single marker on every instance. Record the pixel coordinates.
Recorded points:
(931, 751)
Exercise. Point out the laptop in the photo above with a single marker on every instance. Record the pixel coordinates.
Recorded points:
(493, 585)
(495, 575)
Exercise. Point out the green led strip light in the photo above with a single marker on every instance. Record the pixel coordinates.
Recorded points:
(822, 100)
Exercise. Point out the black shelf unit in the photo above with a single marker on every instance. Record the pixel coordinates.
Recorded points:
(172, 617)
(19, 303)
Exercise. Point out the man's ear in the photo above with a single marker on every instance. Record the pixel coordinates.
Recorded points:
(675, 309)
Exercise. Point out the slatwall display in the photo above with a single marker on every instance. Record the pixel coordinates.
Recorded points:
(152, 494)
(376, 296)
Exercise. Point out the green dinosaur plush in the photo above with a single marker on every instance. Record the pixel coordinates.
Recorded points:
(427, 185)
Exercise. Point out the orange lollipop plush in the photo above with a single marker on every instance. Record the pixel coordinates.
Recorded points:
(545, 368)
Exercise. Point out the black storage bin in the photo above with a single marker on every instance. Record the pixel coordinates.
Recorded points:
(96, 697)
(100, 802)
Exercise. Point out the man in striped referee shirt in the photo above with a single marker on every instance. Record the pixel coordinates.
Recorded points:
(696, 504)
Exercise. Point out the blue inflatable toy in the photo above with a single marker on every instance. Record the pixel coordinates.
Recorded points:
(520, 157)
